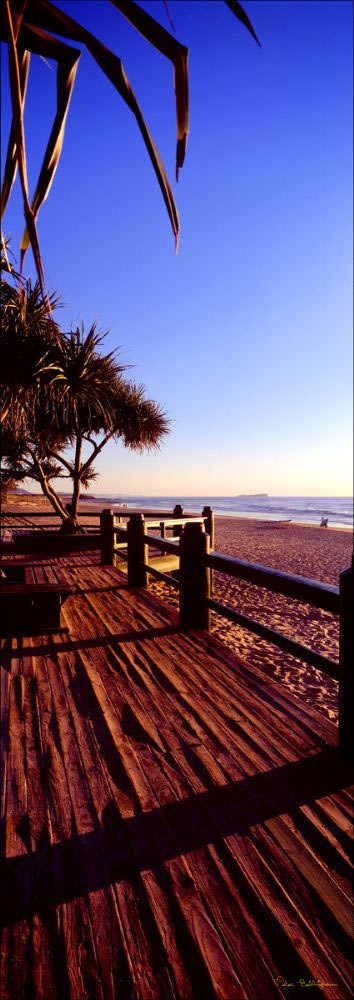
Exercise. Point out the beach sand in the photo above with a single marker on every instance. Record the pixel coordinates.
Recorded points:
(318, 553)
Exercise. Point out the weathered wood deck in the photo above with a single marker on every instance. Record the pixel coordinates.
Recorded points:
(174, 823)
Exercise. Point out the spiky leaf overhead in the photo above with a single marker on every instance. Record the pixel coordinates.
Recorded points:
(30, 26)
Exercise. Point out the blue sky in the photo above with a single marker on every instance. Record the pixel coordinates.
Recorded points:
(246, 335)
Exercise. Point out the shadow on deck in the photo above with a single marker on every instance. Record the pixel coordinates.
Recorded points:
(174, 823)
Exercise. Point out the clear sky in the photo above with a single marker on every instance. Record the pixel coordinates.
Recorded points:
(246, 336)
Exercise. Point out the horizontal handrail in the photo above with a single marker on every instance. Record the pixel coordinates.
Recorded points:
(147, 512)
(168, 522)
(172, 522)
(46, 513)
(170, 580)
(319, 595)
(23, 514)
(329, 667)
(162, 543)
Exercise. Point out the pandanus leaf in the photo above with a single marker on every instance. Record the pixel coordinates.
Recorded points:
(10, 169)
(45, 15)
(173, 50)
(168, 12)
(240, 13)
(13, 27)
(17, 12)
(43, 44)
(24, 24)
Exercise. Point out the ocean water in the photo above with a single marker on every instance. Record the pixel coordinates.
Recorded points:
(338, 510)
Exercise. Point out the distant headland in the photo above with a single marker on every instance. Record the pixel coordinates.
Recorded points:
(249, 496)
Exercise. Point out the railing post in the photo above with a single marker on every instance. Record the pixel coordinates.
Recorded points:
(208, 514)
(194, 577)
(346, 663)
(177, 512)
(163, 535)
(137, 551)
(107, 537)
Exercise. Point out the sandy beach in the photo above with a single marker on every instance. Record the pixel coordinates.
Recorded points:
(306, 550)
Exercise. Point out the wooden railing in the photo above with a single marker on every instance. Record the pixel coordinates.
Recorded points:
(28, 521)
(196, 560)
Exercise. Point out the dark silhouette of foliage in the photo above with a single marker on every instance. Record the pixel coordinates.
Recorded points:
(60, 396)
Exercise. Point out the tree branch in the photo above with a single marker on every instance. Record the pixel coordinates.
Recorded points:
(86, 437)
(96, 451)
(60, 459)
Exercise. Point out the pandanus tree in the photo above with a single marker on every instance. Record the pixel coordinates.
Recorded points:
(27, 333)
(81, 402)
(32, 26)
(62, 400)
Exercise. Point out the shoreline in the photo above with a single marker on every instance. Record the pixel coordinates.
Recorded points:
(92, 506)
(288, 521)
(129, 503)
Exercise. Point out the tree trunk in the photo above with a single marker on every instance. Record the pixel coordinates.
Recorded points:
(72, 525)
(69, 523)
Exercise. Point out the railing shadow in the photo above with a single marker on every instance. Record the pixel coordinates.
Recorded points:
(121, 848)
(74, 645)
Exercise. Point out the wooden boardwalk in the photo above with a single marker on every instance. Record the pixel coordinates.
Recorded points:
(175, 825)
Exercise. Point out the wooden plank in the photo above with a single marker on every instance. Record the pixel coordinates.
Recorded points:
(211, 962)
(236, 703)
(223, 662)
(124, 664)
(297, 858)
(29, 575)
(49, 575)
(36, 588)
(47, 969)
(289, 875)
(5, 668)
(62, 768)
(140, 964)
(15, 967)
(224, 939)
(311, 737)
(192, 826)
(106, 923)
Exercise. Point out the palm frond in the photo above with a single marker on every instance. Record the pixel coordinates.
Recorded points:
(88, 476)
(140, 422)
